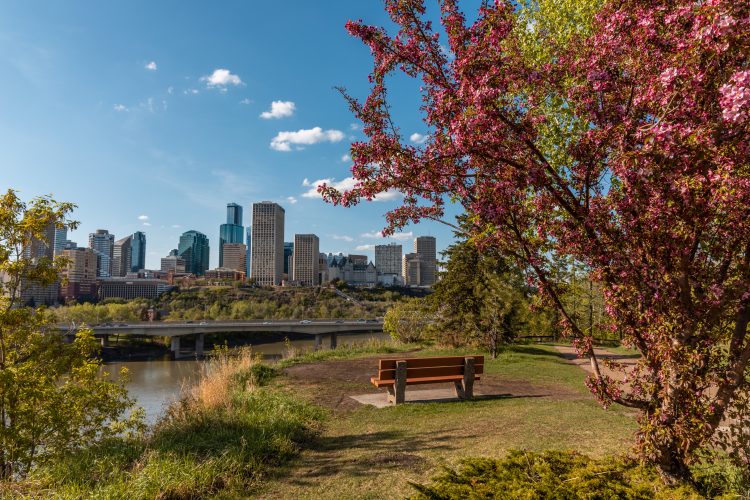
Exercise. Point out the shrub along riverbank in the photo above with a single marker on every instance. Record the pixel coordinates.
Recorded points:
(222, 438)
(247, 429)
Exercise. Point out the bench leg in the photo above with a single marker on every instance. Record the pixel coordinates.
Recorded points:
(459, 390)
(468, 384)
(400, 386)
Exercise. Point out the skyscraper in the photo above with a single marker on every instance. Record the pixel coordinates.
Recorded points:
(235, 255)
(231, 232)
(248, 241)
(32, 292)
(306, 259)
(80, 274)
(61, 236)
(425, 247)
(121, 256)
(388, 258)
(288, 252)
(268, 243)
(194, 249)
(103, 244)
(411, 268)
(234, 214)
(138, 254)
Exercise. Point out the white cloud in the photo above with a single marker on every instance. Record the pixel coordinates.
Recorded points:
(190, 91)
(346, 184)
(279, 109)
(120, 107)
(284, 140)
(418, 138)
(291, 199)
(151, 66)
(245, 101)
(221, 78)
(170, 89)
(143, 217)
(176, 226)
(342, 237)
(395, 236)
(146, 224)
(346, 158)
(365, 247)
(353, 126)
(342, 185)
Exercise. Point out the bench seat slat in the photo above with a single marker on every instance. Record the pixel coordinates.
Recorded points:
(421, 380)
(390, 364)
(433, 371)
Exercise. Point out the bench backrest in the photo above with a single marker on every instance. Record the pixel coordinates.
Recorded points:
(429, 367)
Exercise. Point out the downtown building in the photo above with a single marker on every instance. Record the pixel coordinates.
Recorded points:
(234, 257)
(354, 270)
(32, 293)
(420, 267)
(173, 263)
(121, 256)
(231, 232)
(306, 260)
(268, 243)
(388, 262)
(80, 275)
(132, 288)
(194, 250)
(103, 244)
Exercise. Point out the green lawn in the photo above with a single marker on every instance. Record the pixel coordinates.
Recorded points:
(365, 452)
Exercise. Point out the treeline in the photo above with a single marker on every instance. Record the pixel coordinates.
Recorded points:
(230, 303)
(483, 299)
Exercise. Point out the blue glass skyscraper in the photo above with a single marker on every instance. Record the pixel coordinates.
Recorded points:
(232, 231)
(138, 252)
(194, 249)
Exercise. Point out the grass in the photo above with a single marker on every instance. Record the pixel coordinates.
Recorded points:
(345, 351)
(371, 453)
(221, 439)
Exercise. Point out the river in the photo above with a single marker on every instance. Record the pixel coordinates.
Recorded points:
(154, 384)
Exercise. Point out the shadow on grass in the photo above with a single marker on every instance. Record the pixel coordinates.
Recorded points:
(360, 455)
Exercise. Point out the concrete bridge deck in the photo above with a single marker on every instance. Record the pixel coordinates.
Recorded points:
(198, 329)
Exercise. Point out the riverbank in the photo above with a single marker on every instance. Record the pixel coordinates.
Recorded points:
(292, 430)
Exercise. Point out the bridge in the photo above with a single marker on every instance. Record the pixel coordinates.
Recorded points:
(198, 329)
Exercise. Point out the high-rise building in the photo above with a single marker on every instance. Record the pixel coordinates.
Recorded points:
(268, 243)
(306, 259)
(122, 253)
(234, 257)
(31, 292)
(248, 241)
(103, 244)
(138, 253)
(61, 236)
(411, 269)
(173, 263)
(234, 214)
(425, 247)
(194, 249)
(388, 258)
(80, 274)
(231, 232)
(288, 253)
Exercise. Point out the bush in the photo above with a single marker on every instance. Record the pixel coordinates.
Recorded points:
(221, 438)
(550, 475)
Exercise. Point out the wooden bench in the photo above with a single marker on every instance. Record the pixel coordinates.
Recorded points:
(396, 374)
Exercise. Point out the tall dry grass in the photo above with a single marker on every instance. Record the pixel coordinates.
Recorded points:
(224, 373)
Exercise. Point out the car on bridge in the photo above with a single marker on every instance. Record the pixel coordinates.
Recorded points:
(305, 322)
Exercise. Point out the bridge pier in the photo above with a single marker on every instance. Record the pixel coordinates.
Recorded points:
(199, 339)
(104, 339)
(318, 341)
(333, 340)
(174, 347)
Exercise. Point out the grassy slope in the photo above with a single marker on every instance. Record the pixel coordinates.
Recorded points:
(370, 453)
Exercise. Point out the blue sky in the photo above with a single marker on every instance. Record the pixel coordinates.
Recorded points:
(147, 115)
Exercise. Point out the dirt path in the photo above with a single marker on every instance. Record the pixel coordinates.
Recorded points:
(331, 383)
(628, 360)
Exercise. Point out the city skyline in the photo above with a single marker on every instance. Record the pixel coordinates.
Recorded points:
(243, 114)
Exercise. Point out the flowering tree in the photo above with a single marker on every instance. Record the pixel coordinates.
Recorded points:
(624, 148)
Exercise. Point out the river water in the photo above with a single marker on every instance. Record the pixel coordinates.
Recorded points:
(154, 384)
